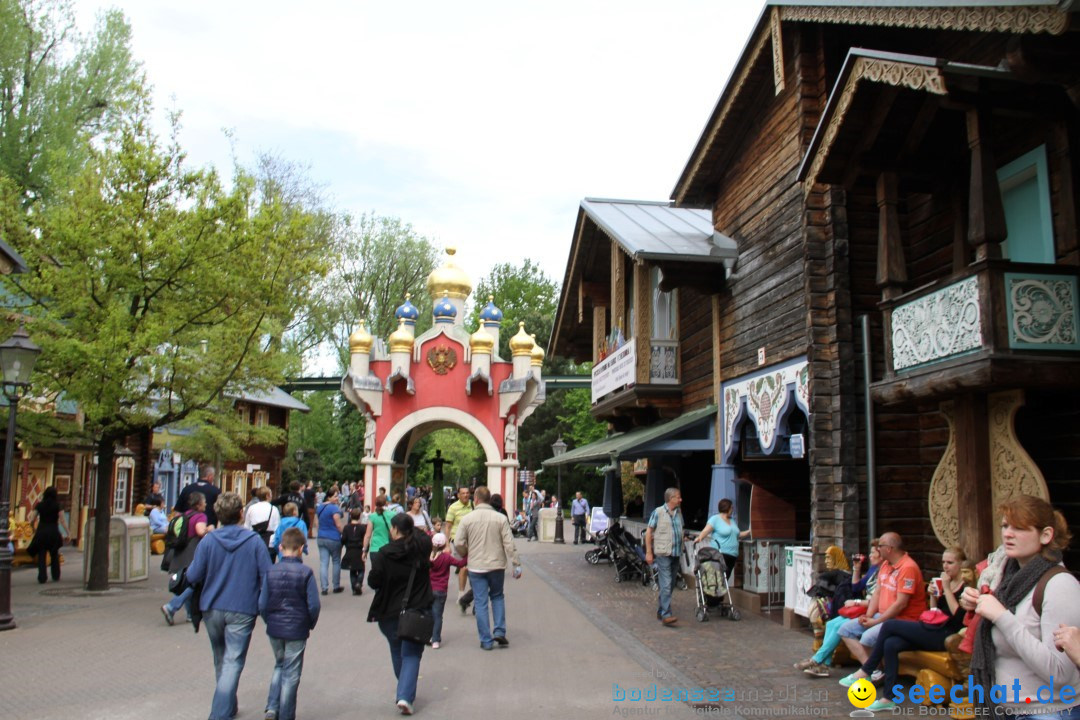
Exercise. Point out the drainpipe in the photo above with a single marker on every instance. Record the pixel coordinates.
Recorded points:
(871, 478)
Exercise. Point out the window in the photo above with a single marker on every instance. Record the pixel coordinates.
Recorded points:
(664, 318)
(1025, 193)
(120, 496)
(262, 417)
(242, 413)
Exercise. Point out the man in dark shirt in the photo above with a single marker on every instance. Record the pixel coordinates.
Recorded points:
(206, 486)
(309, 506)
(293, 495)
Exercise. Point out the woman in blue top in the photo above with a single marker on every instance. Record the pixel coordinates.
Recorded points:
(330, 522)
(725, 534)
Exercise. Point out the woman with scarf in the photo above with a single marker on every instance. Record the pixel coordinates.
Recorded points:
(1014, 640)
(400, 578)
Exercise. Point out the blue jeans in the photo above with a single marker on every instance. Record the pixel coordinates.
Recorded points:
(230, 635)
(437, 612)
(667, 567)
(489, 586)
(329, 551)
(405, 655)
(183, 599)
(288, 664)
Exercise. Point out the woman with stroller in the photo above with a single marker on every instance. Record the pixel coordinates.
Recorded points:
(725, 535)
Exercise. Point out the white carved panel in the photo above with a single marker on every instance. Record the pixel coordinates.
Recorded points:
(937, 326)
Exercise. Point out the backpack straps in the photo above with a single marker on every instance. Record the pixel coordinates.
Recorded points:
(1040, 588)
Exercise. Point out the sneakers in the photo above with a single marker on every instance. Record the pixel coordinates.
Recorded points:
(849, 680)
(270, 715)
(501, 640)
(487, 646)
(325, 591)
(405, 707)
(877, 676)
(670, 620)
(817, 670)
(803, 664)
(167, 613)
(338, 590)
(436, 645)
(881, 705)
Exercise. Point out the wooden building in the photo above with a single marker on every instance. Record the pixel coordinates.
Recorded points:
(915, 166)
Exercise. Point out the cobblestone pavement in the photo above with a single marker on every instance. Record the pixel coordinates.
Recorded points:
(749, 661)
(113, 657)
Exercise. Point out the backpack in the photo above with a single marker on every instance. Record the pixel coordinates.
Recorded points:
(176, 534)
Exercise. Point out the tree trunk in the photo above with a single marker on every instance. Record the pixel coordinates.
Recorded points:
(99, 557)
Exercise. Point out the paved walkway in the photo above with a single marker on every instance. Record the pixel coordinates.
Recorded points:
(77, 656)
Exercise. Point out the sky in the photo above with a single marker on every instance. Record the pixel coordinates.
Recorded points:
(483, 124)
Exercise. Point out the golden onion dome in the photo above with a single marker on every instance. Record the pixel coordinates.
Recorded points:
(401, 340)
(360, 341)
(449, 280)
(537, 353)
(482, 342)
(521, 344)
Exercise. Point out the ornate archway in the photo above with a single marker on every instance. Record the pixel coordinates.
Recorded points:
(445, 377)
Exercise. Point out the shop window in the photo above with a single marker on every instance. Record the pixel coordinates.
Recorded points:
(1025, 193)
(120, 496)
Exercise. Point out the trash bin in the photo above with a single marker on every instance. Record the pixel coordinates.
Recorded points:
(798, 578)
(547, 525)
(129, 548)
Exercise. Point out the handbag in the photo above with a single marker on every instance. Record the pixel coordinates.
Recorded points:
(933, 619)
(414, 625)
(853, 611)
(178, 581)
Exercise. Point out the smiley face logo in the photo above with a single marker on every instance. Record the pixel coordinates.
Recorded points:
(862, 693)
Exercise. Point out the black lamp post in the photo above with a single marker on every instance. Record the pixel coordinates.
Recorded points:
(17, 358)
(558, 448)
(299, 463)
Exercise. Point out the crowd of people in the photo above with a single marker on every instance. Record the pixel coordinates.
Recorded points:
(230, 563)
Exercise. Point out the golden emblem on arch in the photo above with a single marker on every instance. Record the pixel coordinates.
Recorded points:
(442, 359)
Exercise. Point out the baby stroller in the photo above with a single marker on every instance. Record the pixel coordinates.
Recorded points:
(602, 551)
(627, 555)
(713, 589)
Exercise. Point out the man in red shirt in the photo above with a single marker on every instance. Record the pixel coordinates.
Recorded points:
(900, 594)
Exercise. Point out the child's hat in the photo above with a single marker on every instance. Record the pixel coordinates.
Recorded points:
(438, 539)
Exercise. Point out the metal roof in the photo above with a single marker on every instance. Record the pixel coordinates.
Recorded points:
(276, 397)
(658, 231)
(616, 446)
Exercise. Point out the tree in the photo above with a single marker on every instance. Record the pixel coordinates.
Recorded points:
(58, 89)
(524, 293)
(155, 292)
(378, 260)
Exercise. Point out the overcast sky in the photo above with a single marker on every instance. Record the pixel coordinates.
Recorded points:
(481, 123)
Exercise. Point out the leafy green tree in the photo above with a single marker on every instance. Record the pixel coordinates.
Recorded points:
(378, 260)
(525, 294)
(155, 291)
(58, 89)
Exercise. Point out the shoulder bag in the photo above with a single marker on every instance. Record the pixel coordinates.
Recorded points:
(414, 625)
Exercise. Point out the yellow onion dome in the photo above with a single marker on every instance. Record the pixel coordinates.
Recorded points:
(401, 340)
(449, 280)
(521, 344)
(537, 353)
(360, 341)
(482, 342)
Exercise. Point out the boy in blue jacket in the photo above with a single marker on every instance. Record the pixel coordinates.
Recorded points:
(289, 605)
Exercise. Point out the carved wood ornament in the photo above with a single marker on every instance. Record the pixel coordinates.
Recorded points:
(980, 19)
(1012, 471)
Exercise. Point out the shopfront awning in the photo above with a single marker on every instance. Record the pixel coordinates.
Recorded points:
(655, 438)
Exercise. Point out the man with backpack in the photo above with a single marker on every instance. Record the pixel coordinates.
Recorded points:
(182, 536)
(209, 490)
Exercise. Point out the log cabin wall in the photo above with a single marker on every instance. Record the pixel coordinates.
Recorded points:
(695, 348)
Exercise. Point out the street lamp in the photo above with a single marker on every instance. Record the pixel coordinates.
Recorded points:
(558, 448)
(17, 358)
(299, 462)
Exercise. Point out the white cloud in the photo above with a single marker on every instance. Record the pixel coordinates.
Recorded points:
(481, 123)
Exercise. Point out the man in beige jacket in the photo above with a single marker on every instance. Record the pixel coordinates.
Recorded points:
(485, 540)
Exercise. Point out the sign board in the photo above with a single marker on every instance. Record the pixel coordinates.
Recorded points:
(598, 522)
(798, 449)
(614, 372)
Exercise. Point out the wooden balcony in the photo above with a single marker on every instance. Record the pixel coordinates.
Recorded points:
(996, 325)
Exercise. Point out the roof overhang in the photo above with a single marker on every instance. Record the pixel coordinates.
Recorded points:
(642, 441)
(757, 75)
(10, 261)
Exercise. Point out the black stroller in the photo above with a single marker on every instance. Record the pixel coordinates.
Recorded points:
(628, 556)
(713, 587)
(602, 551)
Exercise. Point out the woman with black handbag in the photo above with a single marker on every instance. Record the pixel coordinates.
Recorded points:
(402, 603)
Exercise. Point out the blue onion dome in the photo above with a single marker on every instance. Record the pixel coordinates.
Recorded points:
(407, 311)
(444, 311)
(490, 313)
